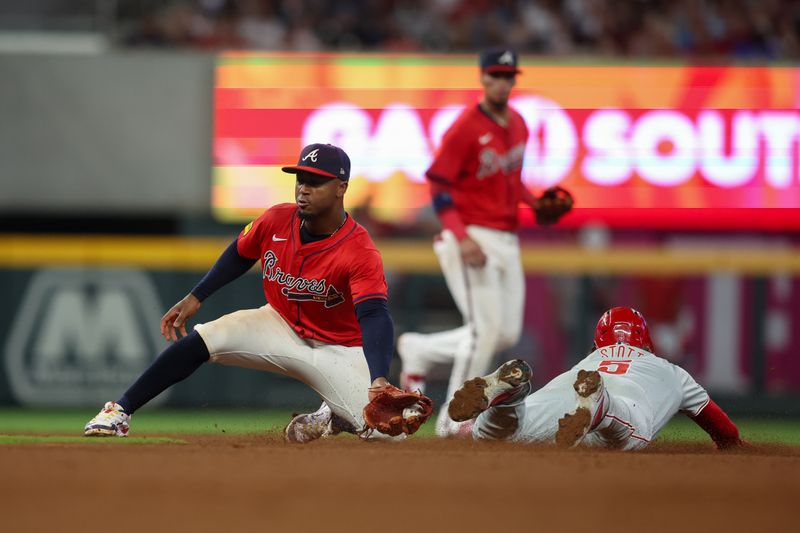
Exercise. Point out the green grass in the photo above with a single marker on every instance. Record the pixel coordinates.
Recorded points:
(54, 424)
(783, 431)
(145, 422)
(65, 439)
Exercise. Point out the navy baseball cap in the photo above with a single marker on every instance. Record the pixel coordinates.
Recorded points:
(499, 60)
(323, 159)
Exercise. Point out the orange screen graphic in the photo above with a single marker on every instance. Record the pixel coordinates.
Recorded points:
(638, 146)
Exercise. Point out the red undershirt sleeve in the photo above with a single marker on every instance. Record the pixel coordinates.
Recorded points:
(451, 220)
(447, 165)
(716, 423)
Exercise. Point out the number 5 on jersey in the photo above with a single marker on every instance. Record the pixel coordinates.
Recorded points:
(614, 367)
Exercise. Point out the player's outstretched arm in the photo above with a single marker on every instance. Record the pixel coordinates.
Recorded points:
(720, 428)
(176, 317)
(229, 266)
(390, 410)
(377, 337)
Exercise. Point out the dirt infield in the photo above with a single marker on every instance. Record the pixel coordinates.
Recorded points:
(258, 483)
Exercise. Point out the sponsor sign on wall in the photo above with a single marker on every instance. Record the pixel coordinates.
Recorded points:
(635, 144)
(81, 336)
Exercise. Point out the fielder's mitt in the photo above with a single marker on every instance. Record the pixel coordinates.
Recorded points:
(553, 204)
(393, 411)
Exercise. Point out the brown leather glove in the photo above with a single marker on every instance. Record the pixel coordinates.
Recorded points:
(393, 411)
(553, 204)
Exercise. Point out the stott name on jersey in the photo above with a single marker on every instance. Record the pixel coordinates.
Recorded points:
(621, 351)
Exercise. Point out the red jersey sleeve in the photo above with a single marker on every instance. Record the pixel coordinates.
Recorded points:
(716, 423)
(367, 279)
(250, 239)
(449, 160)
(527, 197)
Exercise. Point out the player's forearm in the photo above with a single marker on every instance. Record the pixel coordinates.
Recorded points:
(451, 220)
(716, 423)
(377, 335)
(445, 210)
(228, 267)
(526, 196)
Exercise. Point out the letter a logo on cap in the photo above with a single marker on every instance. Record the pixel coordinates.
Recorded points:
(322, 159)
(507, 58)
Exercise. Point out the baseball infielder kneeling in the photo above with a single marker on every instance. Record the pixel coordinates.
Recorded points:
(325, 323)
(620, 396)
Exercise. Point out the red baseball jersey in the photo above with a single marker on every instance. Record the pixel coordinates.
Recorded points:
(315, 286)
(480, 162)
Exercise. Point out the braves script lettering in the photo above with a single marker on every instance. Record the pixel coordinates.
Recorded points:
(298, 288)
(491, 161)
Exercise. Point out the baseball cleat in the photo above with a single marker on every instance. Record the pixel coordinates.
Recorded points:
(308, 427)
(478, 394)
(111, 421)
(591, 406)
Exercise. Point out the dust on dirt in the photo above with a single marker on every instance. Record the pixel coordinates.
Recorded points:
(259, 483)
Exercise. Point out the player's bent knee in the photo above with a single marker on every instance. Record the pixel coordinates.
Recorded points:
(209, 338)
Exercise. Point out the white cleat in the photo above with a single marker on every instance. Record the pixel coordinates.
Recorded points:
(591, 406)
(448, 428)
(111, 421)
(320, 424)
(304, 428)
(478, 394)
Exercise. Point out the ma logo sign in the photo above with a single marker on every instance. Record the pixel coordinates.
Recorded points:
(81, 336)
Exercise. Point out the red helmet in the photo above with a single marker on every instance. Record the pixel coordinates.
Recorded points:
(623, 325)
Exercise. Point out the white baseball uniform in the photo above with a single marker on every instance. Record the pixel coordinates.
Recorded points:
(262, 340)
(478, 168)
(491, 300)
(644, 390)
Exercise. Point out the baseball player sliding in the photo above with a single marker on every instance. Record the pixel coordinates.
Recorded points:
(326, 323)
(476, 186)
(619, 396)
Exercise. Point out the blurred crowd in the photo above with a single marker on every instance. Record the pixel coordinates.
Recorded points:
(727, 29)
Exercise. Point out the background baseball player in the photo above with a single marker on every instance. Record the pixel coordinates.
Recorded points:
(326, 322)
(619, 396)
(476, 186)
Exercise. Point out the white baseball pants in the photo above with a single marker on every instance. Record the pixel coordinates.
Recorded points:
(260, 339)
(491, 301)
(628, 424)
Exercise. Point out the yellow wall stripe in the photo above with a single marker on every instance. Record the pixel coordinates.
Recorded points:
(199, 253)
